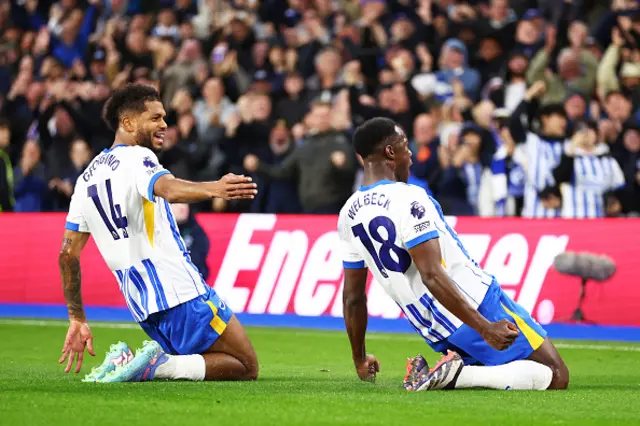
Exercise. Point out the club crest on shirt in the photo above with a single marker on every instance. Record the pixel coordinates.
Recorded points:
(417, 210)
(148, 162)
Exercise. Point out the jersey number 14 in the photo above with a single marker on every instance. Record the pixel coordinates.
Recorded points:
(116, 212)
(382, 258)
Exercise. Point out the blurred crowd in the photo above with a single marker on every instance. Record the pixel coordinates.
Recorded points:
(512, 107)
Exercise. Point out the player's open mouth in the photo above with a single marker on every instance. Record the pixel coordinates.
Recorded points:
(159, 136)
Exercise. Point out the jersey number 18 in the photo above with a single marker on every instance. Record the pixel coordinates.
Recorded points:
(116, 212)
(383, 259)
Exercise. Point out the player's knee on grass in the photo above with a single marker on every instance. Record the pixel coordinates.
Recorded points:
(250, 362)
(235, 343)
(247, 356)
(548, 355)
(560, 379)
(252, 369)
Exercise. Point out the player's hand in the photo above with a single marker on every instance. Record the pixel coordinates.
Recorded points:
(368, 368)
(500, 334)
(235, 187)
(78, 337)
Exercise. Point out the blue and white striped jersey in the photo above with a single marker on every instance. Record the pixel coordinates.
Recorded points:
(542, 156)
(134, 230)
(592, 176)
(379, 224)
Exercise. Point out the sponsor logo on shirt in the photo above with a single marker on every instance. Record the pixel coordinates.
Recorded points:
(422, 226)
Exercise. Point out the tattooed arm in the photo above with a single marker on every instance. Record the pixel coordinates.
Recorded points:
(69, 262)
(79, 335)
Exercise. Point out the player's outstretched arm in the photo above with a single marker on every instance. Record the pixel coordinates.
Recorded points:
(427, 258)
(354, 300)
(229, 187)
(79, 335)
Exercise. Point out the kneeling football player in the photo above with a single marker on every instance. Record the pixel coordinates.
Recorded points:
(399, 233)
(122, 200)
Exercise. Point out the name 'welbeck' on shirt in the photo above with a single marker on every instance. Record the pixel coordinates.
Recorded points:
(369, 198)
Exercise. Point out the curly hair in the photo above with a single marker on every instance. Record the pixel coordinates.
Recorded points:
(130, 98)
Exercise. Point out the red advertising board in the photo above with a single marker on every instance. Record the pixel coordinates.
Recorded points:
(270, 264)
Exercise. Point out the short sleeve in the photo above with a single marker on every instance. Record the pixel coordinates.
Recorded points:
(351, 258)
(146, 172)
(418, 218)
(75, 218)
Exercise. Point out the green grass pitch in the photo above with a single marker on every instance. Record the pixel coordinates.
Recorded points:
(306, 378)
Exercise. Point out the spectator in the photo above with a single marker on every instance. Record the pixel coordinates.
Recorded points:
(248, 131)
(324, 165)
(481, 117)
(543, 149)
(577, 71)
(341, 113)
(500, 22)
(62, 187)
(214, 109)
(617, 109)
(166, 25)
(398, 101)
(627, 153)
(136, 52)
(57, 129)
(508, 90)
(74, 36)
(294, 105)
(327, 77)
(21, 108)
(278, 195)
(459, 184)
(489, 59)
(30, 184)
(453, 66)
(575, 106)
(529, 33)
(504, 184)
(588, 181)
(184, 70)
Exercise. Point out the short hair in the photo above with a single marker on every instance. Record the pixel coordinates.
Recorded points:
(566, 53)
(552, 109)
(372, 134)
(130, 98)
(325, 51)
(5, 123)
